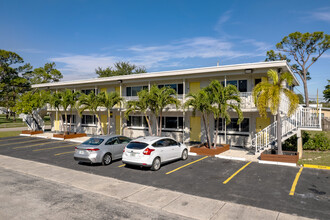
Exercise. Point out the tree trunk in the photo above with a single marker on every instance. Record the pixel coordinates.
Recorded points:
(148, 122)
(109, 121)
(66, 122)
(70, 119)
(14, 119)
(279, 132)
(306, 93)
(99, 123)
(206, 131)
(160, 123)
(157, 124)
(216, 133)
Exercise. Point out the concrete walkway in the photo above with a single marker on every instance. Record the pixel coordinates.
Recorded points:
(169, 201)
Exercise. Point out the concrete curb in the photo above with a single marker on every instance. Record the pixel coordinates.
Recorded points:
(26, 135)
(277, 163)
(170, 201)
(230, 157)
(317, 166)
(192, 154)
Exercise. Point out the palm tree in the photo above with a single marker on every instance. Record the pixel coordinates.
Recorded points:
(140, 105)
(268, 95)
(68, 100)
(159, 98)
(109, 100)
(201, 101)
(73, 99)
(224, 99)
(91, 102)
(55, 100)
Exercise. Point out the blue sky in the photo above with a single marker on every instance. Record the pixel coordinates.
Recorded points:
(80, 35)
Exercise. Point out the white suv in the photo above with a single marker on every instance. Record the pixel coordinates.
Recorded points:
(153, 151)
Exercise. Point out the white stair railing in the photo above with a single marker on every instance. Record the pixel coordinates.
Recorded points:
(304, 118)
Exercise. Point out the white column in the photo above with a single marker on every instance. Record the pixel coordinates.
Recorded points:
(184, 110)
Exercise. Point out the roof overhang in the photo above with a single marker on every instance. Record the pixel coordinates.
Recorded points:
(175, 73)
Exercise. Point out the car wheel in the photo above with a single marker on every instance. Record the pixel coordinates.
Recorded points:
(107, 159)
(184, 154)
(156, 164)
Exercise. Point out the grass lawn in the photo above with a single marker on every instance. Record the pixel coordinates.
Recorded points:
(9, 133)
(4, 123)
(315, 158)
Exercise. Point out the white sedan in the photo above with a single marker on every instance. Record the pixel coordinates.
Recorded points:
(153, 151)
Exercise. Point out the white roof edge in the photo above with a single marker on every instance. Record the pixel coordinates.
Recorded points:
(294, 76)
(266, 64)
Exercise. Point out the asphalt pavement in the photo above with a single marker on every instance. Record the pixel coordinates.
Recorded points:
(258, 185)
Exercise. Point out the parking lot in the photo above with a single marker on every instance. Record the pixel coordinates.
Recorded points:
(254, 184)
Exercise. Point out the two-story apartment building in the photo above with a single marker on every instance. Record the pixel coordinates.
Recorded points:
(180, 123)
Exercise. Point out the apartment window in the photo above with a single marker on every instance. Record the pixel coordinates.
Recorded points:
(89, 120)
(69, 119)
(257, 81)
(88, 91)
(233, 126)
(172, 122)
(137, 121)
(177, 87)
(241, 85)
(133, 91)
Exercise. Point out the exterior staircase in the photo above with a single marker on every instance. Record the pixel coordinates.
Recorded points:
(35, 121)
(304, 118)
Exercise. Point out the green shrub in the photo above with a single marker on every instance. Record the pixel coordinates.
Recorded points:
(291, 143)
(319, 142)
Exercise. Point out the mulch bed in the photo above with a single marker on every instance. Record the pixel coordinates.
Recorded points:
(32, 132)
(287, 157)
(203, 150)
(69, 136)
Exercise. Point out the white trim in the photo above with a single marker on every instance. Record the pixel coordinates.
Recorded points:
(226, 68)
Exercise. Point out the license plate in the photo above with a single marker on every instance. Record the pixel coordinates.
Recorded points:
(81, 152)
(133, 154)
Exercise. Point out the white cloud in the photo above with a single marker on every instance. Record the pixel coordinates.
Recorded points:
(322, 14)
(174, 54)
(30, 50)
(222, 20)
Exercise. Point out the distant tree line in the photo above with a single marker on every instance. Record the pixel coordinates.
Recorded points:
(16, 78)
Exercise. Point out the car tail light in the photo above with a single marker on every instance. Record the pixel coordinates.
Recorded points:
(75, 148)
(148, 151)
(93, 149)
(124, 150)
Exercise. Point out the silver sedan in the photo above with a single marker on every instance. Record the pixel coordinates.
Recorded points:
(102, 149)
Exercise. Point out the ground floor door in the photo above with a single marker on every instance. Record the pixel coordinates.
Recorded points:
(195, 128)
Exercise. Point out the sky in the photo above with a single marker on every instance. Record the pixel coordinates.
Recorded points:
(81, 35)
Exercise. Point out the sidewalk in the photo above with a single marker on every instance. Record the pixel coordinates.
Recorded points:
(166, 200)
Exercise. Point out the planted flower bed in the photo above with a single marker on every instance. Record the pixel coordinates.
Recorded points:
(287, 157)
(32, 132)
(203, 150)
(70, 135)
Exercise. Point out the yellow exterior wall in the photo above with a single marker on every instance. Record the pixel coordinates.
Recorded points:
(261, 123)
(195, 128)
(194, 87)
(103, 90)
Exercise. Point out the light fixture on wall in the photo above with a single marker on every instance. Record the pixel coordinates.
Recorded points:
(248, 71)
(120, 81)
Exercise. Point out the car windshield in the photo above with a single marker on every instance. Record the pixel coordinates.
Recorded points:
(94, 141)
(136, 145)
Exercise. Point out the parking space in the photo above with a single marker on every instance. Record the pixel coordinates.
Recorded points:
(260, 185)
